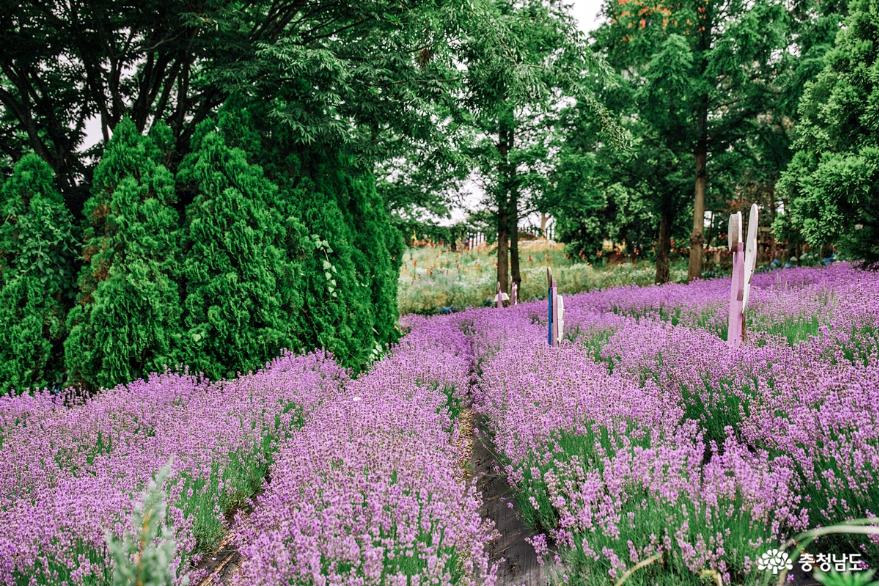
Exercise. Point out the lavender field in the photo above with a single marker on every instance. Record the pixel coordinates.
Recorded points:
(642, 449)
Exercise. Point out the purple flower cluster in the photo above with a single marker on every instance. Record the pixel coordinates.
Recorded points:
(642, 434)
(646, 433)
(371, 489)
(70, 474)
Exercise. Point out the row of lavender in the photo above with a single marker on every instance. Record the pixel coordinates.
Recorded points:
(643, 441)
(372, 489)
(368, 482)
(69, 474)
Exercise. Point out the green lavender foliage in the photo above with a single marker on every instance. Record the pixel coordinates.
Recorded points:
(36, 251)
(241, 285)
(832, 182)
(126, 321)
(147, 556)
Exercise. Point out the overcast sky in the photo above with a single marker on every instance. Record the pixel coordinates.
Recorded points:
(586, 12)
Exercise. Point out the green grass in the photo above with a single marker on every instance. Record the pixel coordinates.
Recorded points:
(434, 278)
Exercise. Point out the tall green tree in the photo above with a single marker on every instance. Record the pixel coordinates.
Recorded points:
(634, 196)
(36, 253)
(126, 320)
(521, 59)
(733, 50)
(831, 186)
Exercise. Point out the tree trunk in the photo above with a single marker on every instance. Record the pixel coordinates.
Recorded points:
(697, 240)
(663, 246)
(503, 251)
(513, 215)
(503, 203)
(514, 240)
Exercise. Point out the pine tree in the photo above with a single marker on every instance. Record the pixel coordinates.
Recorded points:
(127, 317)
(36, 251)
(241, 295)
(832, 183)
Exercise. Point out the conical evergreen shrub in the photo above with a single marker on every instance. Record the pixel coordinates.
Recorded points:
(126, 322)
(351, 278)
(36, 251)
(241, 295)
(342, 251)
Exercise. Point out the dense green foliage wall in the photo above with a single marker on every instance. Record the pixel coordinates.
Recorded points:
(340, 232)
(126, 320)
(240, 287)
(832, 182)
(219, 284)
(36, 253)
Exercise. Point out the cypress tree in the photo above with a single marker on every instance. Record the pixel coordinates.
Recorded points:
(241, 295)
(36, 251)
(339, 238)
(127, 317)
(350, 275)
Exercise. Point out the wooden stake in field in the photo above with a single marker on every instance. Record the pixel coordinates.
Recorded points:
(744, 261)
(514, 294)
(498, 297)
(552, 314)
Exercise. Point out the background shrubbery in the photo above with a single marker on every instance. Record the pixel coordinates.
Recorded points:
(215, 265)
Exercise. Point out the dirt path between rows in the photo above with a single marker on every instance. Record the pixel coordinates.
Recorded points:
(516, 558)
(221, 564)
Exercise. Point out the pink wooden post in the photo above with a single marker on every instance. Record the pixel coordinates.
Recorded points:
(744, 262)
(736, 294)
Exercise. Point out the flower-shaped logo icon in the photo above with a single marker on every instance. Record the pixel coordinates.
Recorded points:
(774, 560)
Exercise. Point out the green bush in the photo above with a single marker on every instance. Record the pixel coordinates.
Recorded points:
(36, 251)
(241, 286)
(338, 228)
(351, 276)
(126, 321)
(832, 181)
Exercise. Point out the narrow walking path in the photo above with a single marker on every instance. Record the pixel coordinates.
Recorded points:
(517, 561)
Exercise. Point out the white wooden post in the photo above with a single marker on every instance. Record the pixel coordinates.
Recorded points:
(736, 246)
(514, 294)
(552, 315)
(750, 255)
(560, 311)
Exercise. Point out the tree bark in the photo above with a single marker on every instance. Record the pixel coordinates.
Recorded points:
(663, 246)
(514, 239)
(503, 251)
(513, 215)
(507, 214)
(697, 239)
